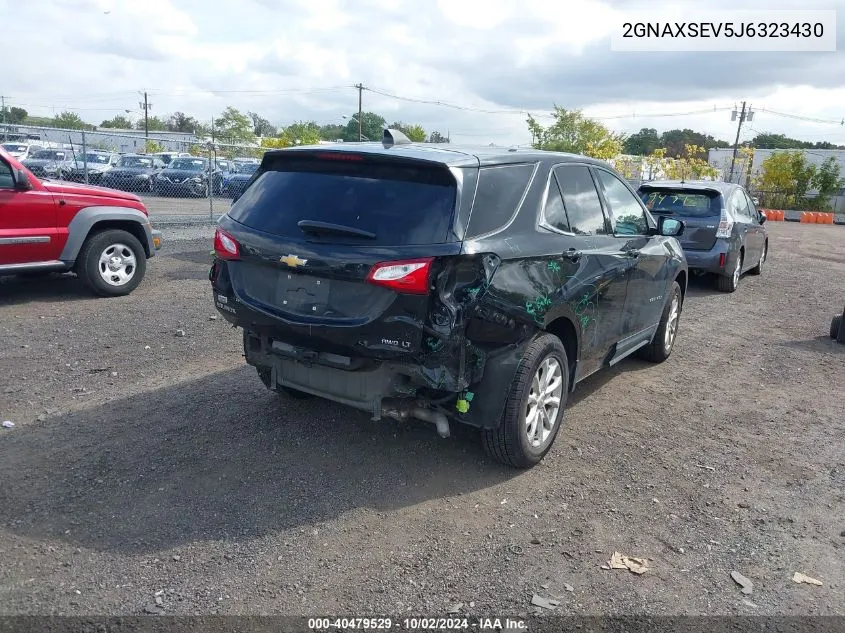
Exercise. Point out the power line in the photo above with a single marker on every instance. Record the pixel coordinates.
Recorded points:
(803, 118)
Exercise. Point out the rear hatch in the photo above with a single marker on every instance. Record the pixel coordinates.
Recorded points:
(699, 209)
(338, 250)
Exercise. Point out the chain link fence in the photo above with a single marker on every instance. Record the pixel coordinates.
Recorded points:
(178, 176)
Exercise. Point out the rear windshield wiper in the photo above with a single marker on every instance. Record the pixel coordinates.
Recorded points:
(327, 228)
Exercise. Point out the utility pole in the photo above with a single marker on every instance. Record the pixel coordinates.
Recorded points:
(360, 124)
(146, 105)
(742, 117)
(3, 108)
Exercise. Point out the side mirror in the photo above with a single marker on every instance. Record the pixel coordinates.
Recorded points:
(21, 180)
(763, 218)
(670, 227)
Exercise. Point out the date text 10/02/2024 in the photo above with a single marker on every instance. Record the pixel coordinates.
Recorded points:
(418, 624)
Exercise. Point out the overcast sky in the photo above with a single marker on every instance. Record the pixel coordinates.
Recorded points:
(297, 60)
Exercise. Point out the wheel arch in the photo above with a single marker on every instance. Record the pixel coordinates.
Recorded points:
(682, 278)
(92, 220)
(564, 328)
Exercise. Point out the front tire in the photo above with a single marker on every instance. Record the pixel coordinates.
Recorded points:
(534, 406)
(112, 263)
(663, 343)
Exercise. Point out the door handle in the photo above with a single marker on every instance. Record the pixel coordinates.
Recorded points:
(633, 253)
(573, 255)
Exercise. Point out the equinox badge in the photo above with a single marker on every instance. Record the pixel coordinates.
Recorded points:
(293, 261)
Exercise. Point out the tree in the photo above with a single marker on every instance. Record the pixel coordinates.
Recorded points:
(437, 137)
(416, 133)
(828, 178)
(118, 122)
(372, 127)
(234, 127)
(332, 131)
(13, 115)
(71, 121)
(152, 147)
(785, 178)
(575, 133)
(181, 122)
(643, 142)
(688, 166)
(261, 126)
(675, 142)
(301, 133)
(153, 124)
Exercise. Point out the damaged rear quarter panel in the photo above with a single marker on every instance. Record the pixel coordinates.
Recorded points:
(490, 307)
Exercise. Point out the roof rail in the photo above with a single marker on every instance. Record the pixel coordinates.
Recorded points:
(394, 137)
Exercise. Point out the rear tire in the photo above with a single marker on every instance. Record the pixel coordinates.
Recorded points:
(264, 375)
(532, 418)
(729, 283)
(835, 324)
(663, 343)
(94, 264)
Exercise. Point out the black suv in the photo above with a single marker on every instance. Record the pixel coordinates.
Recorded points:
(448, 285)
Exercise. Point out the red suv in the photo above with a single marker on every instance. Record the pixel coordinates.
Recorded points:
(103, 235)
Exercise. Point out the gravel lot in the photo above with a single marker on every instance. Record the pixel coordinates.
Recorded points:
(150, 468)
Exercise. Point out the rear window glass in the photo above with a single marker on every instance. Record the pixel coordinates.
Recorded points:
(400, 203)
(500, 190)
(683, 203)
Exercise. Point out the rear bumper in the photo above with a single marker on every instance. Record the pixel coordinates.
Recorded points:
(716, 260)
(362, 388)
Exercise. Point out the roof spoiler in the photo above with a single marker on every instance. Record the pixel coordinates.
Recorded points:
(394, 137)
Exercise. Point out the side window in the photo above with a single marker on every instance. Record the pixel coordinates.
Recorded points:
(6, 179)
(752, 209)
(741, 206)
(500, 190)
(627, 213)
(583, 206)
(554, 212)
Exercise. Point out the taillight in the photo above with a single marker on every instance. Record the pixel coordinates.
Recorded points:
(410, 276)
(226, 246)
(725, 226)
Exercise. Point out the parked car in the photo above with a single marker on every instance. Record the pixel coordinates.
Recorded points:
(473, 286)
(50, 163)
(97, 164)
(102, 235)
(21, 151)
(236, 183)
(134, 172)
(166, 157)
(188, 176)
(226, 168)
(725, 232)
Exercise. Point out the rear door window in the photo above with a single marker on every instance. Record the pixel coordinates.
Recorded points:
(399, 203)
(554, 213)
(582, 202)
(498, 196)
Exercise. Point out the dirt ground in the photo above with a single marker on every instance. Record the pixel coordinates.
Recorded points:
(146, 467)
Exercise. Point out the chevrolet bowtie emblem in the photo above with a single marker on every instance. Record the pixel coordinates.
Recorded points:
(293, 261)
